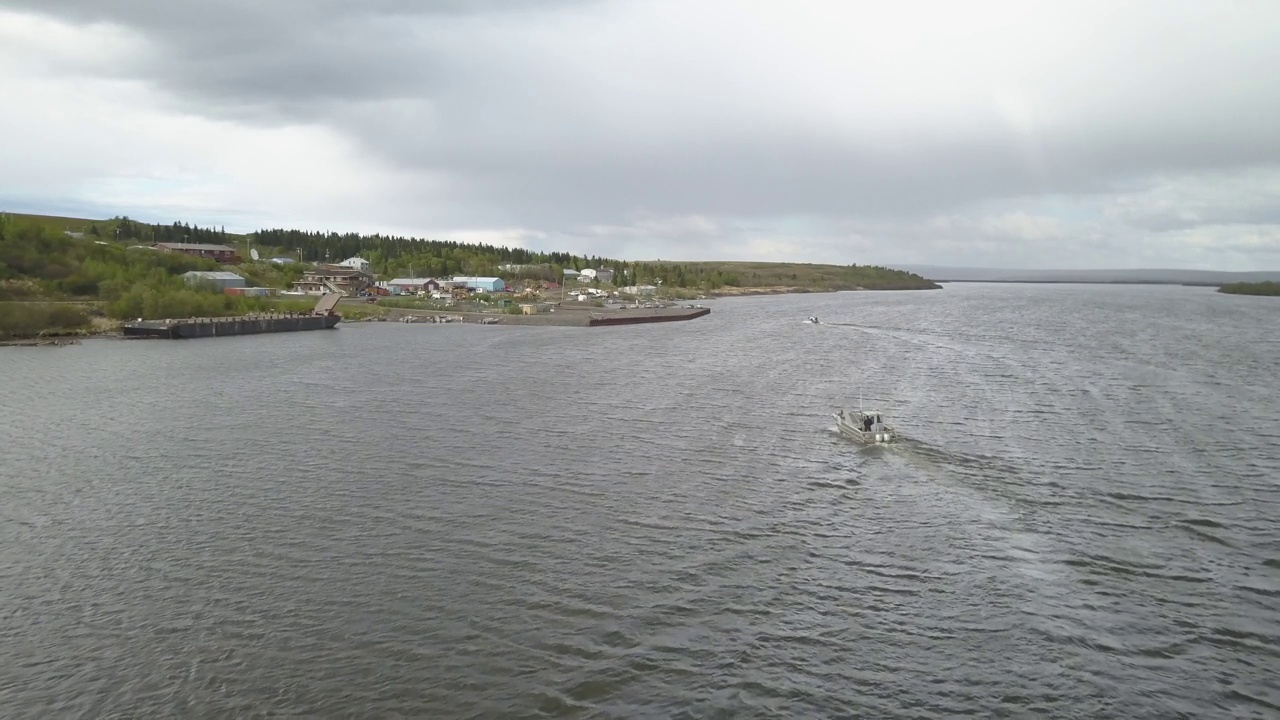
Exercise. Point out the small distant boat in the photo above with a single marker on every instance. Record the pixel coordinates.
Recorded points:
(813, 320)
(866, 426)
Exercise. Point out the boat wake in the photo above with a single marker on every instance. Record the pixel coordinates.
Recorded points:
(931, 456)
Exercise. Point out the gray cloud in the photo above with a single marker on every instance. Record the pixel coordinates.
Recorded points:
(565, 115)
(287, 58)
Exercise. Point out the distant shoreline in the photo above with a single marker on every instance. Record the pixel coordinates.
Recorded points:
(792, 290)
(1127, 276)
(1085, 282)
(1258, 289)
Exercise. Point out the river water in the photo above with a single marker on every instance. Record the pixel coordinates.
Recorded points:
(445, 521)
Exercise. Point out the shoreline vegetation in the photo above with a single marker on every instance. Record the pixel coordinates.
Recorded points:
(1267, 287)
(64, 277)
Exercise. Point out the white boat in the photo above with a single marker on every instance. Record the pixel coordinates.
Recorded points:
(866, 426)
(813, 320)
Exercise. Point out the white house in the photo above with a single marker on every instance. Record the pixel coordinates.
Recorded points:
(356, 263)
(587, 275)
(639, 289)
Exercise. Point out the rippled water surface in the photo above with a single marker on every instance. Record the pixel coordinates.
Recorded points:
(657, 521)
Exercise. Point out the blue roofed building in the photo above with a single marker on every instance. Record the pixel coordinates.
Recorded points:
(483, 284)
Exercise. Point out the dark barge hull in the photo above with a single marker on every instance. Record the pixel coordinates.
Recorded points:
(219, 327)
(637, 319)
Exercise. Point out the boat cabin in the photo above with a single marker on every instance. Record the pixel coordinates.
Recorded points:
(870, 421)
(864, 424)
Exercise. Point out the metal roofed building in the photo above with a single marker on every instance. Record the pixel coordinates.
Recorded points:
(221, 253)
(218, 278)
(639, 289)
(356, 263)
(412, 285)
(485, 284)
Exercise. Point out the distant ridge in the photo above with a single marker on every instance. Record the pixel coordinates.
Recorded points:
(1159, 276)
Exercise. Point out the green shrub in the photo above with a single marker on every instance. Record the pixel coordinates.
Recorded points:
(24, 320)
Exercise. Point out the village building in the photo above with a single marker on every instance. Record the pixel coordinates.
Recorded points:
(538, 268)
(356, 263)
(482, 284)
(220, 253)
(400, 286)
(639, 289)
(334, 278)
(215, 278)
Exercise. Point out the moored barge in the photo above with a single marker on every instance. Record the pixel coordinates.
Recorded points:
(622, 318)
(322, 317)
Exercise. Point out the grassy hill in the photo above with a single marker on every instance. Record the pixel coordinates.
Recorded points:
(99, 229)
(54, 222)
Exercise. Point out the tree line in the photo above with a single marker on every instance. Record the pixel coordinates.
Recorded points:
(395, 256)
(127, 230)
(1266, 287)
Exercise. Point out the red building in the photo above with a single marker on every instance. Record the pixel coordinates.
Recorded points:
(221, 253)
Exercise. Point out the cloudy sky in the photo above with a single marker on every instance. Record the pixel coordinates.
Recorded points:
(1006, 134)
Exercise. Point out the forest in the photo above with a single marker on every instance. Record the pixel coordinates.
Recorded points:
(403, 257)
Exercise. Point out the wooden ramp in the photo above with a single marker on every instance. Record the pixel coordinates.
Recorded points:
(328, 303)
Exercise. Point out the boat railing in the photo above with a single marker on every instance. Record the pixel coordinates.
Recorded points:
(252, 316)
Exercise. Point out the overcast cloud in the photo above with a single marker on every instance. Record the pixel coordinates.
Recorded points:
(1006, 134)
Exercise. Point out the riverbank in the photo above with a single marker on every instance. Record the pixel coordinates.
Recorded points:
(355, 310)
(27, 322)
(40, 323)
(41, 342)
(794, 290)
(562, 316)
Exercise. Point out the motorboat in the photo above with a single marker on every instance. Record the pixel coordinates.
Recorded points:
(813, 320)
(866, 426)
